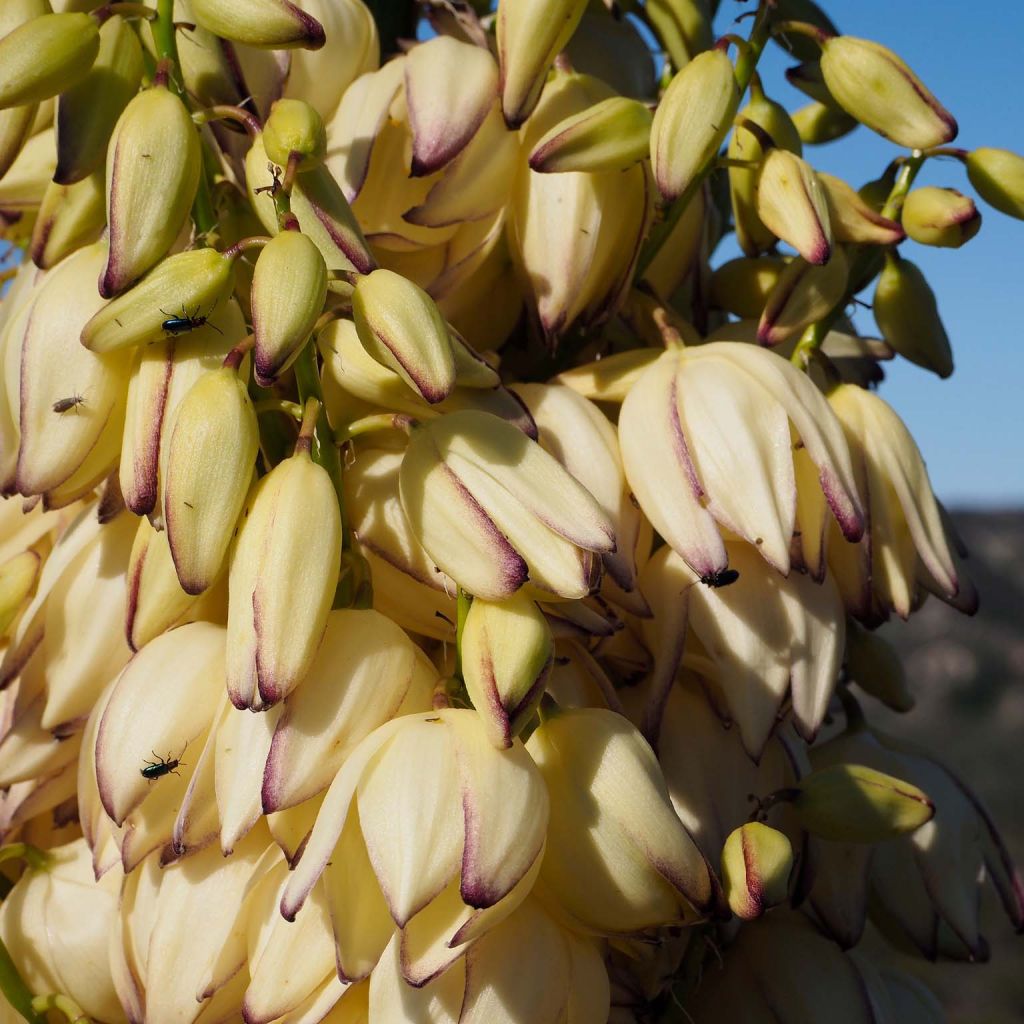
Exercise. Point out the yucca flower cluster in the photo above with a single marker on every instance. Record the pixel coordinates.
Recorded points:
(434, 586)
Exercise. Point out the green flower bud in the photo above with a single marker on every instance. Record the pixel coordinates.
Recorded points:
(294, 127)
(742, 286)
(213, 446)
(46, 55)
(16, 123)
(683, 26)
(873, 664)
(908, 316)
(692, 120)
(400, 325)
(321, 208)
(507, 652)
(771, 117)
(289, 287)
(531, 33)
(804, 293)
(70, 216)
(610, 136)
(153, 166)
(853, 219)
(88, 111)
(873, 85)
(851, 803)
(791, 203)
(271, 24)
(819, 123)
(941, 217)
(756, 865)
(186, 286)
(998, 175)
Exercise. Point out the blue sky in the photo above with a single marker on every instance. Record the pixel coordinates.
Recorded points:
(971, 426)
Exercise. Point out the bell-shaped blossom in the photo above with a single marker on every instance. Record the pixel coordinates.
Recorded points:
(55, 924)
(758, 640)
(618, 860)
(527, 968)
(907, 545)
(706, 439)
(494, 510)
(925, 886)
(428, 828)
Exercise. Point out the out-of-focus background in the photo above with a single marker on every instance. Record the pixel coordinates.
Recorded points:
(968, 677)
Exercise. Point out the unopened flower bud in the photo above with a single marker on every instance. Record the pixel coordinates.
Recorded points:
(289, 287)
(853, 219)
(998, 175)
(941, 217)
(270, 24)
(792, 205)
(756, 865)
(530, 35)
(749, 147)
(692, 120)
(400, 325)
(153, 165)
(818, 123)
(319, 206)
(851, 803)
(804, 293)
(908, 316)
(295, 128)
(213, 446)
(873, 664)
(873, 85)
(70, 216)
(284, 570)
(87, 112)
(493, 509)
(507, 651)
(610, 136)
(683, 25)
(742, 285)
(184, 287)
(45, 55)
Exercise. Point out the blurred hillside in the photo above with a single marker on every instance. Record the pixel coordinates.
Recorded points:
(968, 677)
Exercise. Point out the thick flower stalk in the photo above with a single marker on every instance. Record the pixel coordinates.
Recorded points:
(437, 582)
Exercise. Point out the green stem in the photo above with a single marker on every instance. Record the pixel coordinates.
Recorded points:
(165, 38)
(324, 449)
(204, 216)
(63, 1004)
(813, 338)
(265, 405)
(378, 421)
(14, 988)
(746, 63)
(465, 599)
(905, 178)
